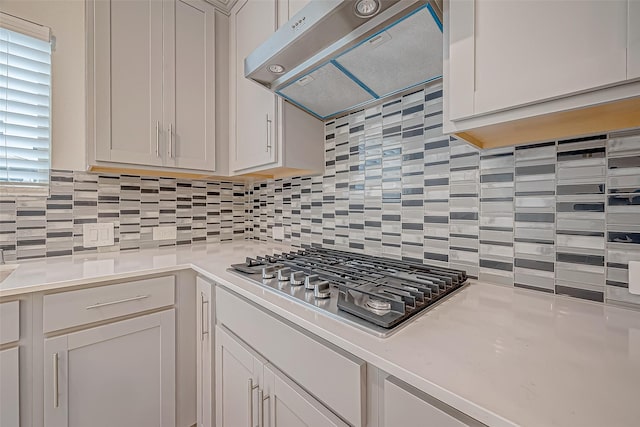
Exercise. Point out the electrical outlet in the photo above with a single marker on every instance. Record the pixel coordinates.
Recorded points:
(278, 233)
(165, 232)
(97, 235)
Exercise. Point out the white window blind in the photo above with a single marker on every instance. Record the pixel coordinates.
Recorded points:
(25, 101)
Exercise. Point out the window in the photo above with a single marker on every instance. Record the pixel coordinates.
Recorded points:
(25, 106)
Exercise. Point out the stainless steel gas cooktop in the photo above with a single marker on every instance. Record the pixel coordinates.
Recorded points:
(375, 294)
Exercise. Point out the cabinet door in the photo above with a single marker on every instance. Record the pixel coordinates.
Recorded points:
(121, 374)
(205, 351)
(239, 376)
(253, 108)
(633, 28)
(527, 51)
(189, 84)
(128, 81)
(9, 388)
(291, 406)
(406, 406)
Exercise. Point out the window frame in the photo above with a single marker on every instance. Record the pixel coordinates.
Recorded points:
(40, 32)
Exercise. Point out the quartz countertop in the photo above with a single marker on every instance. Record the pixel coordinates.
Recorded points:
(502, 355)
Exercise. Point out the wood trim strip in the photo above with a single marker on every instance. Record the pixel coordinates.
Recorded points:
(600, 118)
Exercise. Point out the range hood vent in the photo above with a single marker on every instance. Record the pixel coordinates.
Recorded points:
(328, 61)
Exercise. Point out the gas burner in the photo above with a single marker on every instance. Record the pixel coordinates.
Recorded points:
(377, 294)
(378, 306)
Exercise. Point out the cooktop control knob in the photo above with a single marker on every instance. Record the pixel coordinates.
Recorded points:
(322, 290)
(283, 274)
(310, 282)
(297, 278)
(268, 272)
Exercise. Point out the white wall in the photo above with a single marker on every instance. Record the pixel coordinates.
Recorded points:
(66, 20)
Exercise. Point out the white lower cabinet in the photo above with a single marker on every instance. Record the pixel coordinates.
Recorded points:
(404, 405)
(10, 364)
(205, 350)
(239, 376)
(251, 392)
(295, 352)
(9, 388)
(290, 406)
(120, 374)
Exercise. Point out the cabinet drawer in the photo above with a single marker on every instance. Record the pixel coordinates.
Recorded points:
(74, 308)
(9, 322)
(306, 360)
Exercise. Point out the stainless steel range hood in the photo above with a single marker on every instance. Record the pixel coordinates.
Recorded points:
(327, 60)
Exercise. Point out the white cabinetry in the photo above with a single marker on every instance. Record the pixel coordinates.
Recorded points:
(127, 62)
(254, 113)
(507, 81)
(9, 387)
(152, 83)
(239, 375)
(265, 333)
(205, 367)
(633, 28)
(290, 406)
(10, 364)
(526, 51)
(190, 85)
(121, 374)
(266, 133)
(407, 406)
(252, 392)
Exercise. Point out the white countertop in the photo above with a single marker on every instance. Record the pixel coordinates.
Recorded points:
(502, 355)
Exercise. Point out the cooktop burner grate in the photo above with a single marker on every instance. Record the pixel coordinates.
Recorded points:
(372, 292)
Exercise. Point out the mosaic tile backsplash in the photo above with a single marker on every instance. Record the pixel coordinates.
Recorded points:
(560, 216)
(39, 227)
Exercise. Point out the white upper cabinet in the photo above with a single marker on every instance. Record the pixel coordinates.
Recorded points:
(523, 70)
(266, 135)
(633, 27)
(190, 85)
(253, 107)
(152, 83)
(127, 59)
(527, 51)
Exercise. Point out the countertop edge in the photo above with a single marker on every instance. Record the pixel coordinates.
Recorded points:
(85, 281)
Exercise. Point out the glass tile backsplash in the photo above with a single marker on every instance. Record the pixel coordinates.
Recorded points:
(43, 227)
(558, 216)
